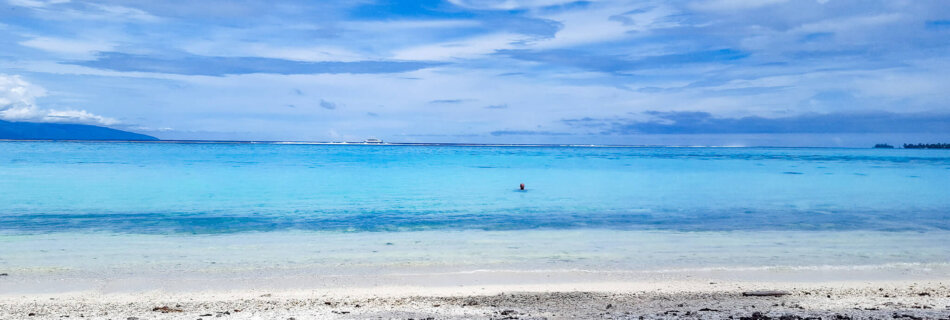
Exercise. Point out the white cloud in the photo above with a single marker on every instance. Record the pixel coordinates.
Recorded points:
(410, 25)
(462, 49)
(597, 24)
(51, 9)
(506, 4)
(76, 116)
(600, 24)
(73, 47)
(35, 3)
(264, 50)
(16, 91)
(850, 24)
(728, 5)
(124, 13)
(18, 103)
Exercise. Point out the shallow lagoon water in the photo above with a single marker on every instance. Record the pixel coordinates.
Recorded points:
(166, 188)
(91, 210)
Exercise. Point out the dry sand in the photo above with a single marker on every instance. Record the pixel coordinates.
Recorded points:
(648, 300)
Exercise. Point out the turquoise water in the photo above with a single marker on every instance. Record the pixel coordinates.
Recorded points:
(106, 215)
(165, 188)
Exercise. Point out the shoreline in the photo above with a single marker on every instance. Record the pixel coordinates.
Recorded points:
(693, 299)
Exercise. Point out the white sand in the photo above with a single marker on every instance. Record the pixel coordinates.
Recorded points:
(700, 299)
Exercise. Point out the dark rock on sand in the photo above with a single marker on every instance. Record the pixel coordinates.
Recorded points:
(766, 293)
(165, 309)
(757, 316)
(761, 316)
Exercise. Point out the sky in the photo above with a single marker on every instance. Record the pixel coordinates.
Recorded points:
(689, 72)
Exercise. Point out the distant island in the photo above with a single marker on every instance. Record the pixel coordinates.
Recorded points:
(61, 131)
(927, 146)
(915, 146)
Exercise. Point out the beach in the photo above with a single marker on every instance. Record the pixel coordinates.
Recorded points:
(276, 231)
(649, 300)
(152, 277)
(475, 275)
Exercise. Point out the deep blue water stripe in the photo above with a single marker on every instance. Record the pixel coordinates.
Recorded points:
(169, 223)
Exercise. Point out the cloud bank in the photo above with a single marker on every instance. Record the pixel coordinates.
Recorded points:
(220, 66)
(18, 103)
(705, 123)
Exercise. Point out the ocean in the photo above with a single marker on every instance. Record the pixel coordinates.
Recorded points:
(95, 210)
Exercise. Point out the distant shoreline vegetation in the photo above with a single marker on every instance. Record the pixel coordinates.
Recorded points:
(915, 146)
(927, 146)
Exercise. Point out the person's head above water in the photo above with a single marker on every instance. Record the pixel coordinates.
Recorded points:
(522, 186)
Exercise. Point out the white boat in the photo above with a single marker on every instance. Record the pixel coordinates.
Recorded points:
(373, 141)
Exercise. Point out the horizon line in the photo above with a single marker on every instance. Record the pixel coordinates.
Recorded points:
(456, 144)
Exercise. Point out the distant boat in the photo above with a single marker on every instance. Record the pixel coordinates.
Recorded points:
(373, 141)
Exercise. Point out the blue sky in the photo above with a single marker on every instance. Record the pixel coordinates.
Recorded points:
(691, 72)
